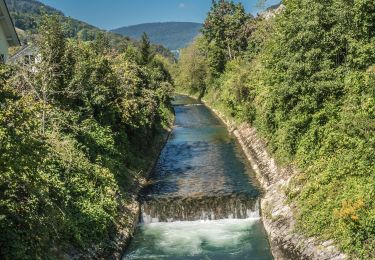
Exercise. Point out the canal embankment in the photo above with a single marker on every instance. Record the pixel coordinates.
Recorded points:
(278, 214)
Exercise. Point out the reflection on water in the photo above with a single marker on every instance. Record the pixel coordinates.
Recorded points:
(202, 200)
(182, 100)
(200, 158)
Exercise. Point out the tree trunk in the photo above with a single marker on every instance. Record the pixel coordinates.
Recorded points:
(229, 52)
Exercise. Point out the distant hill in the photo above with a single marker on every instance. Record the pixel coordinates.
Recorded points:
(173, 35)
(26, 15)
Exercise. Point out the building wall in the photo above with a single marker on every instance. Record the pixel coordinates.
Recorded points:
(3, 43)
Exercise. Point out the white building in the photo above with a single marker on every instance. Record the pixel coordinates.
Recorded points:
(27, 55)
(8, 34)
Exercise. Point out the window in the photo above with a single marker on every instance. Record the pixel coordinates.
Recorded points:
(2, 59)
(29, 59)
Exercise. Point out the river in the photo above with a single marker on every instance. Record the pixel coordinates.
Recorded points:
(203, 198)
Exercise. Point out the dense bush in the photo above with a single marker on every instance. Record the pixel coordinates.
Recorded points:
(76, 131)
(307, 82)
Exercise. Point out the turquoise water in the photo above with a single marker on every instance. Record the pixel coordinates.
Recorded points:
(217, 239)
(203, 199)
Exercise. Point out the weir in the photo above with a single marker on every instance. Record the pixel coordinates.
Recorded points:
(202, 208)
(203, 200)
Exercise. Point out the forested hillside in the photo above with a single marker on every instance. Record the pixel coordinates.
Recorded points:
(78, 131)
(173, 35)
(306, 81)
(27, 15)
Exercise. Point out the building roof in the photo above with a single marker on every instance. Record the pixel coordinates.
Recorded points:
(7, 23)
(26, 50)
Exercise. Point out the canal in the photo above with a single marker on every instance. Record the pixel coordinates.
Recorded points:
(203, 198)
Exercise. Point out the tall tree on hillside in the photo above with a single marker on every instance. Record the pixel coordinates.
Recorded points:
(146, 55)
(47, 81)
(225, 30)
(101, 43)
(52, 50)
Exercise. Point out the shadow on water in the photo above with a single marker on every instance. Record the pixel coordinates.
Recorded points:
(202, 202)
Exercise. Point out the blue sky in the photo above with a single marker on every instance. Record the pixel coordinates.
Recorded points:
(111, 14)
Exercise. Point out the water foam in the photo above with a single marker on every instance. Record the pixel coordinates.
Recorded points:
(189, 239)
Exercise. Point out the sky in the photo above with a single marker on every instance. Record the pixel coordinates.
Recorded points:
(112, 14)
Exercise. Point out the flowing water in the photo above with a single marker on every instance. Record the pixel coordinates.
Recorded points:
(202, 202)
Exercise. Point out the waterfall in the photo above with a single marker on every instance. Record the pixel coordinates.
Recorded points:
(156, 210)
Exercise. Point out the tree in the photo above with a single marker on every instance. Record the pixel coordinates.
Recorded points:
(225, 31)
(145, 48)
(193, 69)
(49, 79)
(77, 130)
(101, 43)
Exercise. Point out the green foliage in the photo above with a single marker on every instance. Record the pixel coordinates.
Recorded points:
(226, 31)
(306, 81)
(192, 71)
(145, 50)
(76, 131)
